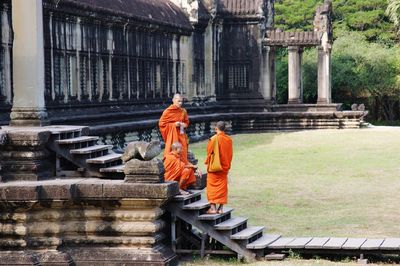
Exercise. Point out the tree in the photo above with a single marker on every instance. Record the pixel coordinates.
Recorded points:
(361, 72)
(365, 16)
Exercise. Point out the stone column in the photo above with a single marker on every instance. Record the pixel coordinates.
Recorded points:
(268, 74)
(295, 75)
(324, 75)
(28, 64)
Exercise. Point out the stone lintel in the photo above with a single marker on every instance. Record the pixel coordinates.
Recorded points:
(85, 189)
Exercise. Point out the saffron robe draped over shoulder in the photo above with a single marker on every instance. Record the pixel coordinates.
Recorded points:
(217, 182)
(171, 133)
(176, 170)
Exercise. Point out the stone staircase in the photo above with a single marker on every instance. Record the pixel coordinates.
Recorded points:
(90, 159)
(234, 233)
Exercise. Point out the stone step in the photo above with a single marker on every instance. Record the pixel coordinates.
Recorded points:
(91, 149)
(105, 159)
(198, 205)
(77, 140)
(248, 233)
(213, 217)
(113, 169)
(56, 130)
(194, 194)
(263, 242)
(231, 223)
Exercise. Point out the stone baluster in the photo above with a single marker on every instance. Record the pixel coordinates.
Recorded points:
(295, 75)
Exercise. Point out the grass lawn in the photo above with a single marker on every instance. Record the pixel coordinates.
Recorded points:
(317, 183)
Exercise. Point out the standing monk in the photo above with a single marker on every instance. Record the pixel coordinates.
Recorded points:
(172, 124)
(217, 182)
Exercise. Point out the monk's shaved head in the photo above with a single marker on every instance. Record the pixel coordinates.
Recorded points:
(176, 146)
(177, 95)
(177, 100)
(221, 126)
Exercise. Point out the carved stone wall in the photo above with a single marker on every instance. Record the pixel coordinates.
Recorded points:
(84, 222)
(101, 59)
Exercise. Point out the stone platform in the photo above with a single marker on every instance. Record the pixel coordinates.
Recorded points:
(84, 222)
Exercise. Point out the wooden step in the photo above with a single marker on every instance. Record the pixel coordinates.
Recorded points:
(231, 223)
(248, 233)
(212, 217)
(91, 149)
(105, 159)
(113, 169)
(198, 205)
(194, 194)
(76, 140)
(263, 242)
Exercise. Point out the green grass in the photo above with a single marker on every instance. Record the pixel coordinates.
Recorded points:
(317, 183)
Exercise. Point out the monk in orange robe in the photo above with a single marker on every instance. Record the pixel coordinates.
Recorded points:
(173, 122)
(177, 170)
(217, 182)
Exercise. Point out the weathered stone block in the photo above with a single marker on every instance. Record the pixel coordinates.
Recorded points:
(88, 190)
(137, 171)
(148, 191)
(119, 225)
(18, 258)
(24, 156)
(19, 192)
(201, 182)
(34, 136)
(54, 191)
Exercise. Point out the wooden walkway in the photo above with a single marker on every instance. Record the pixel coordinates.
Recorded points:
(251, 241)
(339, 245)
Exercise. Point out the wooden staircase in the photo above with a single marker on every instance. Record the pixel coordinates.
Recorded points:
(233, 233)
(90, 159)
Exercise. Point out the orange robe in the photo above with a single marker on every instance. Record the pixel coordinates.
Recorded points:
(171, 133)
(217, 183)
(176, 170)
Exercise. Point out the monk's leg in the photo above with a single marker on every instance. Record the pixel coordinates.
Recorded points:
(220, 209)
(188, 178)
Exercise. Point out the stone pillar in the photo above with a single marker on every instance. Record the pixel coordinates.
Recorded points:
(28, 64)
(324, 75)
(295, 75)
(268, 74)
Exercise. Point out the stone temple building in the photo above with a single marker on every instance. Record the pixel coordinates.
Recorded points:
(114, 65)
(109, 68)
